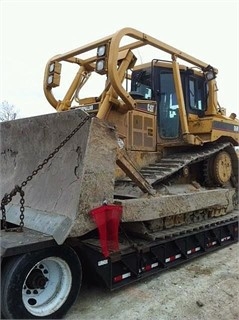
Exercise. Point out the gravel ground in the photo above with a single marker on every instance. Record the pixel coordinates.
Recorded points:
(205, 288)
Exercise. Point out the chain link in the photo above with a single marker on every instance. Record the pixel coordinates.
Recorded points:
(18, 189)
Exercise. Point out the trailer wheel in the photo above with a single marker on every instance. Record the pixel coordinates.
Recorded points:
(41, 284)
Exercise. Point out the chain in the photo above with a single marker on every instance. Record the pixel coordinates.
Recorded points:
(18, 189)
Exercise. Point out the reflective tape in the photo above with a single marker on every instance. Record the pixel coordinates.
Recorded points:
(172, 258)
(193, 250)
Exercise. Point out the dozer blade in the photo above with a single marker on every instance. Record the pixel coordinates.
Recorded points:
(78, 178)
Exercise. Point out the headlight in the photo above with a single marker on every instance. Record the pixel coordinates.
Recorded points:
(101, 61)
(50, 79)
(54, 74)
(100, 66)
(101, 51)
(210, 75)
(52, 67)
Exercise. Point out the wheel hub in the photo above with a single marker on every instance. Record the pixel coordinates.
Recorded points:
(36, 280)
(46, 286)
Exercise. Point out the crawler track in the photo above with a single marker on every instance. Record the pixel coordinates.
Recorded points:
(191, 228)
(169, 165)
(165, 169)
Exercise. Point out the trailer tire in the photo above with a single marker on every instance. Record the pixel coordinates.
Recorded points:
(42, 284)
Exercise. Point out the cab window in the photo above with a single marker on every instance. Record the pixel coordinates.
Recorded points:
(197, 100)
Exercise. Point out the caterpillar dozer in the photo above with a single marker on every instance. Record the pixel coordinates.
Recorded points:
(121, 184)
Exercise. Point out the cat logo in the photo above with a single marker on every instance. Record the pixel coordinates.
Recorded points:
(236, 128)
(150, 107)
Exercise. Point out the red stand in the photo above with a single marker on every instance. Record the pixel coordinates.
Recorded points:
(107, 219)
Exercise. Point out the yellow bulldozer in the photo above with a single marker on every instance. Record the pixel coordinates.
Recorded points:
(169, 123)
(129, 181)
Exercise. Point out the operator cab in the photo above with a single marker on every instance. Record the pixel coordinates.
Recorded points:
(155, 81)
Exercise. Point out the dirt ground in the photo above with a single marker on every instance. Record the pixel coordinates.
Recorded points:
(205, 288)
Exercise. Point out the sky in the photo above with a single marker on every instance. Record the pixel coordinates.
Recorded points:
(34, 31)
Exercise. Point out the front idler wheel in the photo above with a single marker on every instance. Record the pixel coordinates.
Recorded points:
(222, 168)
(218, 169)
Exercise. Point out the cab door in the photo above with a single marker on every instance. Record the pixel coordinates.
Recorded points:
(167, 106)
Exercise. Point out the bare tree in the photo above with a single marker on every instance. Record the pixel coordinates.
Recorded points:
(7, 112)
